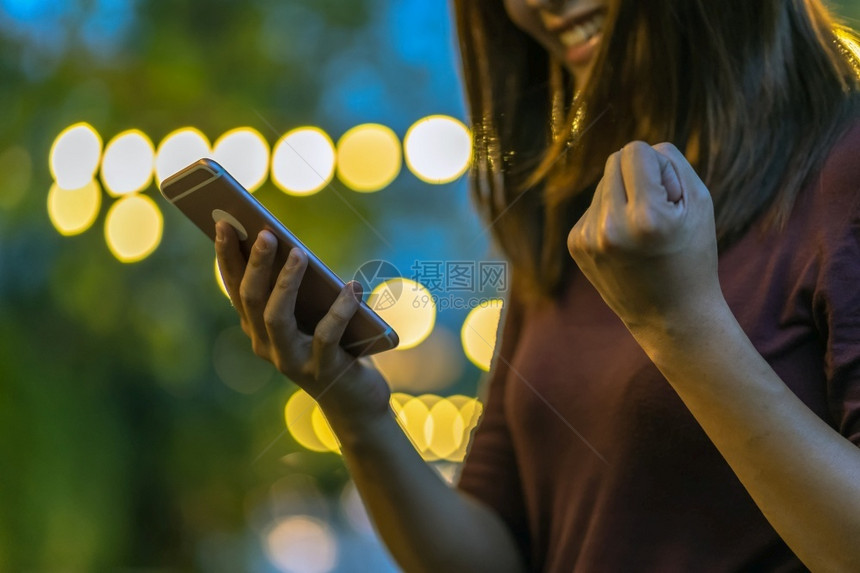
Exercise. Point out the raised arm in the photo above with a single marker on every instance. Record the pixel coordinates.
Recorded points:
(648, 245)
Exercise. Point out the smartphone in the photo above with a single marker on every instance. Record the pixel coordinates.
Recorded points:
(207, 193)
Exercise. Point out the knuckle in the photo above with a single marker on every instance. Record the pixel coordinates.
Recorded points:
(325, 337)
(250, 298)
(259, 348)
(341, 315)
(308, 370)
(647, 227)
(274, 319)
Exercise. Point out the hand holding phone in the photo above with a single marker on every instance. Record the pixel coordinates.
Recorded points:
(299, 315)
(207, 194)
(346, 388)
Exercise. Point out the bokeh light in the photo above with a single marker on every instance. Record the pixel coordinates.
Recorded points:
(133, 228)
(323, 431)
(438, 149)
(414, 416)
(302, 544)
(75, 156)
(368, 157)
(73, 211)
(244, 153)
(430, 366)
(179, 149)
(303, 161)
(470, 411)
(220, 279)
(411, 315)
(479, 332)
(128, 163)
(438, 426)
(444, 429)
(299, 414)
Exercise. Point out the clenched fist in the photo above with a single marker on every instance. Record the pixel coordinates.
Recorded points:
(647, 242)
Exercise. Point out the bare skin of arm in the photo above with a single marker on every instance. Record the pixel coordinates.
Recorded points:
(648, 245)
(427, 525)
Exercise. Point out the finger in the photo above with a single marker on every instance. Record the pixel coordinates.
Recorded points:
(231, 262)
(641, 170)
(612, 183)
(327, 334)
(280, 314)
(255, 288)
(688, 180)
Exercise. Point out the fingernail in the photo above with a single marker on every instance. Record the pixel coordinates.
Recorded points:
(263, 241)
(357, 290)
(219, 233)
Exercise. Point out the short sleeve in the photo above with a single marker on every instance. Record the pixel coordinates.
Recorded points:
(489, 472)
(836, 299)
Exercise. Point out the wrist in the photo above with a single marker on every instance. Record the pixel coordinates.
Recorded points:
(685, 329)
(362, 432)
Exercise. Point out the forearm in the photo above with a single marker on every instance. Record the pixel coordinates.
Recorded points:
(801, 473)
(426, 524)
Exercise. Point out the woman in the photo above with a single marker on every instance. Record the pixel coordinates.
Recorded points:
(647, 410)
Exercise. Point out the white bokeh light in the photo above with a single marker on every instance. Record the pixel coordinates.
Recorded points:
(438, 149)
(244, 153)
(128, 163)
(303, 161)
(75, 156)
(302, 544)
(179, 149)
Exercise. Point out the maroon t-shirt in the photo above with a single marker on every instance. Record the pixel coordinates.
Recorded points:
(589, 455)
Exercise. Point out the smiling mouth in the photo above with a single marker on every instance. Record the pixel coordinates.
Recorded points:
(583, 31)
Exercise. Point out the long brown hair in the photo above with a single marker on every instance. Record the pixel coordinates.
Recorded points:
(754, 92)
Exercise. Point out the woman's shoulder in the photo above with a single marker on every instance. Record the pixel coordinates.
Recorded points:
(831, 198)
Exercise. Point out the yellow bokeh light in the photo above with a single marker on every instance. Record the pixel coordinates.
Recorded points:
(299, 414)
(133, 228)
(323, 430)
(179, 149)
(73, 211)
(413, 416)
(434, 364)
(478, 334)
(75, 156)
(128, 162)
(470, 412)
(368, 157)
(302, 544)
(447, 428)
(219, 279)
(303, 161)
(412, 314)
(439, 427)
(244, 153)
(438, 149)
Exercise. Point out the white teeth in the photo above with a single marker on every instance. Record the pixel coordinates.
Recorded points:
(582, 32)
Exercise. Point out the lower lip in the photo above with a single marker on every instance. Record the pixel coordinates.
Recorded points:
(582, 53)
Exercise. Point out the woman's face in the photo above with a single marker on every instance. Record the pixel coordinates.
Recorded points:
(570, 30)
